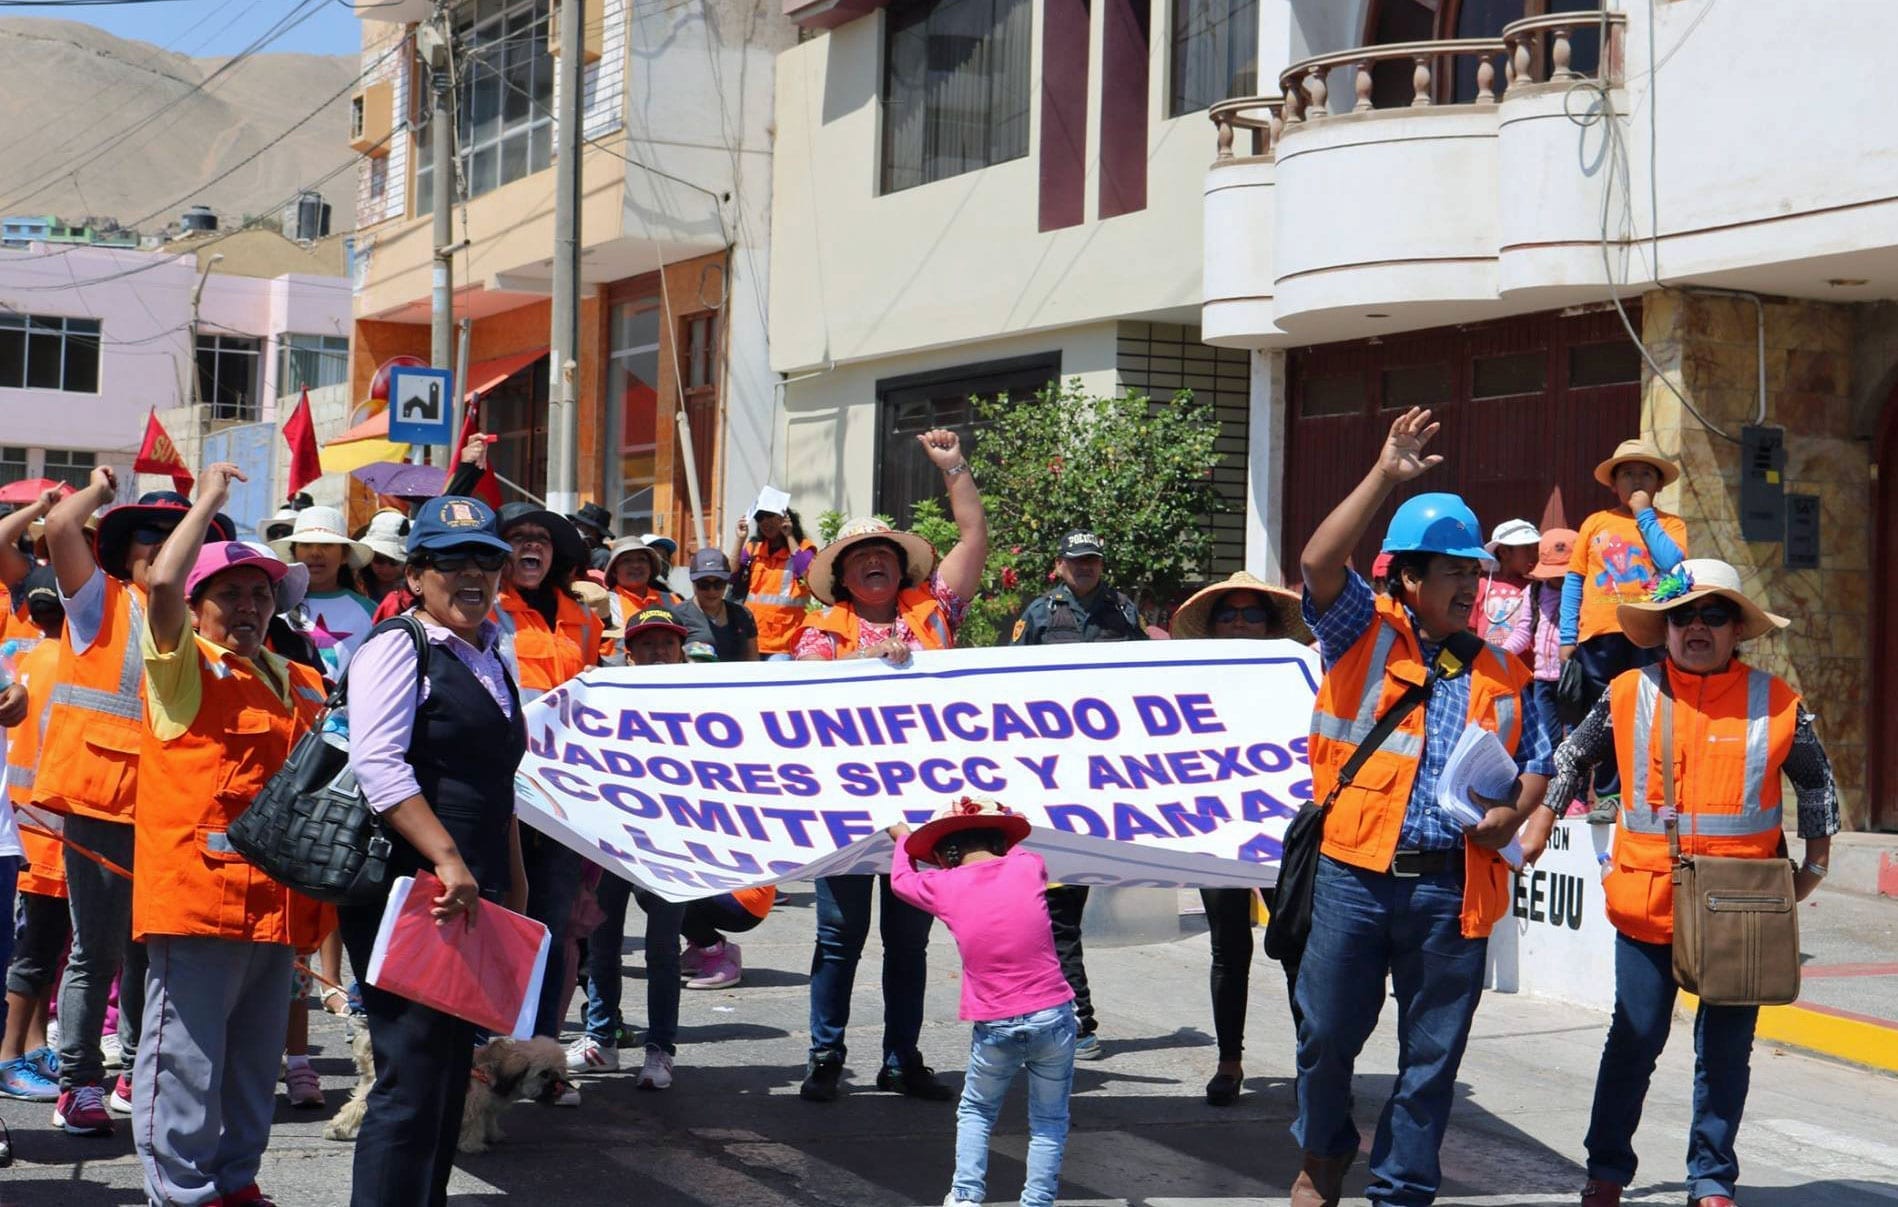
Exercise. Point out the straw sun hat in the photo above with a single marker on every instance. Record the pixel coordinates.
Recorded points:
(1645, 623)
(823, 573)
(1637, 450)
(1194, 617)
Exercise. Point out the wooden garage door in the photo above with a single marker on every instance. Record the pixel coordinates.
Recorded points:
(1528, 406)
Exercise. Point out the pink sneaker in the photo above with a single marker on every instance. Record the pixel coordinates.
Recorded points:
(305, 1088)
(81, 1112)
(692, 959)
(119, 1101)
(722, 968)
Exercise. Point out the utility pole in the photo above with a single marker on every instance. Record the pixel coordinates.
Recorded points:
(563, 419)
(433, 40)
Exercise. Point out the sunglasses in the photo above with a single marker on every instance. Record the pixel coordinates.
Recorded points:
(709, 584)
(1256, 614)
(452, 562)
(1713, 615)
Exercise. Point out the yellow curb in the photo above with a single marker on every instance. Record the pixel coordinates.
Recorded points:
(1861, 1042)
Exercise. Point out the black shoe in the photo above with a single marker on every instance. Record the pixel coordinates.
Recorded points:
(1222, 1090)
(915, 1079)
(821, 1077)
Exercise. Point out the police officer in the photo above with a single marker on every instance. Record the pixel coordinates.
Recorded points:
(1081, 607)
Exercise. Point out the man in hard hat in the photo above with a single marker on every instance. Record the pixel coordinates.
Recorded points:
(1401, 890)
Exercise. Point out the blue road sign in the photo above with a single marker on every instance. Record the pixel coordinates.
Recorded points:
(421, 405)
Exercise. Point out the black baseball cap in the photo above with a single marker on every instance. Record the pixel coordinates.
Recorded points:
(1081, 543)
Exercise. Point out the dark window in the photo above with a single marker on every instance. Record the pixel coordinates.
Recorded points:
(12, 464)
(516, 411)
(1416, 386)
(1342, 394)
(699, 350)
(632, 390)
(227, 376)
(1516, 373)
(1215, 52)
(955, 88)
(70, 466)
(47, 352)
(909, 406)
(504, 126)
(1608, 364)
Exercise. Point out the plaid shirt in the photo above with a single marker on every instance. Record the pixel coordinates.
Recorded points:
(1339, 628)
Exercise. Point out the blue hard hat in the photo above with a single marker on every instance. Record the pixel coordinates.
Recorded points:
(1436, 523)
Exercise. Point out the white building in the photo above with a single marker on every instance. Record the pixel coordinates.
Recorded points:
(219, 337)
(984, 195)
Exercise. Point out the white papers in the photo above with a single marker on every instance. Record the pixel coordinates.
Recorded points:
(1480, 763)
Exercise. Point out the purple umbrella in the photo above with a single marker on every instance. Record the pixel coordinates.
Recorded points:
(401, 479)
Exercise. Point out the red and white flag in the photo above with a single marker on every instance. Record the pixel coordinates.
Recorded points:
(158, 455)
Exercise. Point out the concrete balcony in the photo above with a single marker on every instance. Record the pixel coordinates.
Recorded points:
(1328, 223)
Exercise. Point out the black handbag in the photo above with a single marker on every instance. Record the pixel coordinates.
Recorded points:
(311, 829)
(1290, 922)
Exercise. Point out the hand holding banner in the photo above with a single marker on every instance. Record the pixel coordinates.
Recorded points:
(1154, 764)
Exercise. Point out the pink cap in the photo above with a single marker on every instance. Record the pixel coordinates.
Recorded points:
(1381, 567)
(219, 556)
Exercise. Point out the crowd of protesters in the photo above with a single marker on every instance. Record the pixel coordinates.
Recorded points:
(159, 670)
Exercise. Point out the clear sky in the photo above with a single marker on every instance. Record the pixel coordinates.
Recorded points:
(214, 27)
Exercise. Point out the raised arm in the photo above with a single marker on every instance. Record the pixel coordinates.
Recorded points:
(66, 540)
(13, 564)
(1401, 459)
(165, 605)
(961, 569)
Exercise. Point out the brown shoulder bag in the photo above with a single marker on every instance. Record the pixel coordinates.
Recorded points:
(1736, 931)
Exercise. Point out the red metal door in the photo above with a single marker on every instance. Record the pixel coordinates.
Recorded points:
(1529, 406)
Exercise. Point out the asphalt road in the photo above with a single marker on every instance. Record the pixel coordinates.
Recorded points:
(733, 1132)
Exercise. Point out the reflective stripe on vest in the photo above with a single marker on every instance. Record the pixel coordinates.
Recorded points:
(1355, 729)
(124, 702)
(1641, 818)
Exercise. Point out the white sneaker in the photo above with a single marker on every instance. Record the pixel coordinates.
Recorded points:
(52, 1034)
(109, 1049)
(589, 1055)
(950, 1200)
(656, 1073)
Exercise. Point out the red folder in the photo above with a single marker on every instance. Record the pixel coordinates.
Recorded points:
(488, 973)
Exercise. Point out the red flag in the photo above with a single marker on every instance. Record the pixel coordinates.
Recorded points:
(299, 432)
(158, 455)
(488, 489)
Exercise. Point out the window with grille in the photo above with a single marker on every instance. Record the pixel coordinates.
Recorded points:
(910, 406)
(632, 391)
(955, 88)
(70, 465)
(227, 376)
(699, 352)
(311, 362)
(48, 352)
(1215, 52)
(505, 116)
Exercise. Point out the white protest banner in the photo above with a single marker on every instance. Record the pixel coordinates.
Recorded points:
(1153, 764)
(1556, 941)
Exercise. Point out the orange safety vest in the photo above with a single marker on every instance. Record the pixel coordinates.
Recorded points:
(928, 622)
(1364, 823)
(1732, 733)
(777, 598)
(44, 871)
(95, 719)
(190, 880)
(543, 658)
(16, 623)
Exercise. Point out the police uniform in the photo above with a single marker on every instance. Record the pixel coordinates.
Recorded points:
(1059, 617)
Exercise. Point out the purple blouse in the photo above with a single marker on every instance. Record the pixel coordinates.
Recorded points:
(382, 700)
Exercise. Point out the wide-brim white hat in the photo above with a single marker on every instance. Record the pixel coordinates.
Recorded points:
(323, 526)
(920, 553)
(1645, 622)
(388, 534)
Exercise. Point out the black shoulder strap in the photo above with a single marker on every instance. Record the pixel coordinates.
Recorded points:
(1387, 724)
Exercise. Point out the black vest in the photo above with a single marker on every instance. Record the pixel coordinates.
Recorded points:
(465, 753)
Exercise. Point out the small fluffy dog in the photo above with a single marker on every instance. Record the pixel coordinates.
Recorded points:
(504, 1070)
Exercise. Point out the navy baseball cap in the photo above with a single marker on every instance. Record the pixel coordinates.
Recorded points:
(455, 522)
(1082, 544)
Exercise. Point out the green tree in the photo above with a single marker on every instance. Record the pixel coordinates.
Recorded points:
(1137, 472)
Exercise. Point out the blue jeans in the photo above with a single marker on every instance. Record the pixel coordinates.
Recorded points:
(843, 923)
(662, 964)
(1043, 1043)
(1366, 925)
(1723, 1045)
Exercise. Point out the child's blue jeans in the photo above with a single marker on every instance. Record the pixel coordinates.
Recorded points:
(1043, 1043)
